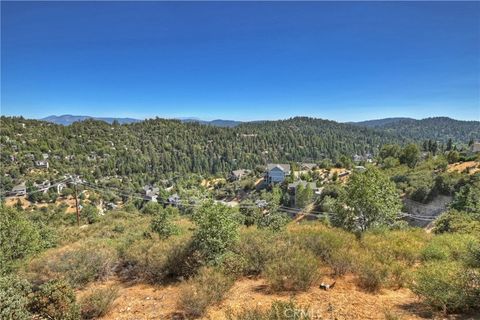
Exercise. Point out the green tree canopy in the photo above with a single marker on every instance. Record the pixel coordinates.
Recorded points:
(216, 232)
(370, 200)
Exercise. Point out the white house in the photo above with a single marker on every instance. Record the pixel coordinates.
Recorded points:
(276, 172)
(150, 193)
(42, 164)
(18, 190)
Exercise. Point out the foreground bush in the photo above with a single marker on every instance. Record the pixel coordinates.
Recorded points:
(216, 232)
(78, 265)
(97, 303)
(155, 261)
(278, 311)
(448, 286)
(371, 274)
(389, 246)
(457, 221)
(207, 288)
(162, 222)
(55, 300)
(255, 248)
(292, 269)
(335, 247)
(18, 238)
(14, 298)
(449, 247)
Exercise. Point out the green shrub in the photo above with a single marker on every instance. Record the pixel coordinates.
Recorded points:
(322, 241)
(256, 248)
(18, 238)
(448, 247)
(389, 246)
(341, 261)
(90, 213)
(472, 258)
(55, 300)
(448, 286)
(162, 222)
(216, 232)
(97, 303)
(155, 261)
(398, 275)
(457, 221)
(335, 247)
(278, 311)
(292, 269)
(371, 274)
(273, 220)
(14, 298)
(84, 263)
(207, 288)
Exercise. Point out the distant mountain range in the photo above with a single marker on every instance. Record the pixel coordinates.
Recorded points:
(437, 128)
(68, 119)
(216, 123)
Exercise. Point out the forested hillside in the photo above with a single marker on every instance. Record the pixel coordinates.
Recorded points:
(437, 129)
(157, 148)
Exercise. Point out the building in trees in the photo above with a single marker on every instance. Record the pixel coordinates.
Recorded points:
(276, 172)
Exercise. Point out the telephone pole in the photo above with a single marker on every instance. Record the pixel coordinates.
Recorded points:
(76, 202)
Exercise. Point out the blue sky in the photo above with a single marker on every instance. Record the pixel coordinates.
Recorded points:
(343, 61)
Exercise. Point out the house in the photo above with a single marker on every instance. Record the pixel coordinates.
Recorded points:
(368, 157)
(45, 156)
(150, 193)
(111, 206)
(18, 190)
(475, 147)
(174, 200)
(42, 187)
(276, 172)
(239, 174)
(307, 166)
(43, 164)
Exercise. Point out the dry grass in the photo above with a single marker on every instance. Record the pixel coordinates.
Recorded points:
(474, 167)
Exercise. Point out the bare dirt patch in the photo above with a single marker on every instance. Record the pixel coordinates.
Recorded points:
(472, 166)
(345, 301)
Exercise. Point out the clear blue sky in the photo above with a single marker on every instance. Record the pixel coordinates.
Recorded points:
(257, 60)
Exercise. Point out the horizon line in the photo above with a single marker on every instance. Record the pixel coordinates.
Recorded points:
(195, 118)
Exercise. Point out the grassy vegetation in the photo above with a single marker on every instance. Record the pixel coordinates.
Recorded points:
(203, 290)
(279, 310)
(98, 302)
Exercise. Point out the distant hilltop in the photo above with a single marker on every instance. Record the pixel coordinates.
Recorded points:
(429, 128)
(68, 119)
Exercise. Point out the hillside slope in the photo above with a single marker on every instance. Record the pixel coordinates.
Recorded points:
(437, 129)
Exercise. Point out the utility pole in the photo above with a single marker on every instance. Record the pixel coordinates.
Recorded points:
(76, 202)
